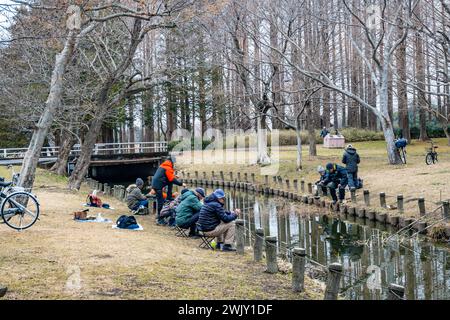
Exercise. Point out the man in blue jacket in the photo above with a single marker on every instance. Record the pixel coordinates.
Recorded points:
(351, 160)
(336, 179)
(215, 221)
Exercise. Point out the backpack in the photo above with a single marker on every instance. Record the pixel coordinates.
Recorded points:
(401, 143)
(127, 222)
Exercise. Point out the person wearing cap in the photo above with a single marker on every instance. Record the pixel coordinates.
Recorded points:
(135, 198)
(351, 160)
(336, 178)
(188, 211)
(320, 183)
(215, 221)
(164, 177)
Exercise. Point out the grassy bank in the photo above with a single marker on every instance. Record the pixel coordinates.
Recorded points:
(413, 180)
(119, 264)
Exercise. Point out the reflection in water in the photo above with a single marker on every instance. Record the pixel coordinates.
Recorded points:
(422, 267)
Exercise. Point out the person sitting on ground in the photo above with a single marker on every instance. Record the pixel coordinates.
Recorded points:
(336, 178)
(136, 200)
(323, 175)
(164, 177)
(351, 160)
(215, 221)
(93, 200)
(324, 132)
(188, 211)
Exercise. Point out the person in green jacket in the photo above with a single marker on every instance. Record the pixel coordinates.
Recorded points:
(187, 212)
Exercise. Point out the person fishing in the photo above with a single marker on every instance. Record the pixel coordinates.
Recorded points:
(351, 160)
(164, 177)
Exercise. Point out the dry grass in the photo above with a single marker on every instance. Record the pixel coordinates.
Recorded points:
(122, 264)
(413, 180)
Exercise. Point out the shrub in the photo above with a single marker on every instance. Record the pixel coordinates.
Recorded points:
(193, 146)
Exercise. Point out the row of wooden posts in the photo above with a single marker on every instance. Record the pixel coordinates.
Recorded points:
(305, 194)
(284, 190)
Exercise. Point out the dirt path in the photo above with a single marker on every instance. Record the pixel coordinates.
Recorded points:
(119, 264)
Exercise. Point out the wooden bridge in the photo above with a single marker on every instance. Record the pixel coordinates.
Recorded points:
(108, 160)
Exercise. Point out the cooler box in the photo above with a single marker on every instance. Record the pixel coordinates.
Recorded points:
(334, 142)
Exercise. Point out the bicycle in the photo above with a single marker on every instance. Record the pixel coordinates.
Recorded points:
(19, 209)
(401, 147)
(432, 156)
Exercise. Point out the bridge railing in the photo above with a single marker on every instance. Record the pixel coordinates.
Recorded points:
(99, 149)
(19, 153)
(125, 148)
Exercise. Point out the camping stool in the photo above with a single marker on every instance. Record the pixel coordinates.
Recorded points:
(180, 232)
(206, 240)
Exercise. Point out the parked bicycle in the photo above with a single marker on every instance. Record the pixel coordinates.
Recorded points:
(432, 156)
(19, 209)
(401, 147)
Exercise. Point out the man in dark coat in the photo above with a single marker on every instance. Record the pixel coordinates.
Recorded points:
(351, 160)
(164, 176)
(324, 132)
(336, 179)
(215, 221)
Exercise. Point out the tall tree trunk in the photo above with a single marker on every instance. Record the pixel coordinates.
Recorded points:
(84, 160)
(402, 93)
(31, 159)
(420, 80)
(60, 166)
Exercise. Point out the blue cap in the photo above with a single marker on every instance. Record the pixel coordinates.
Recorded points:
(139, 182)
(201, 192)
(219, 193)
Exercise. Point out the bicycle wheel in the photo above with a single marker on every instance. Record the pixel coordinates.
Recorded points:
(435, 158)
(20, 210)
(429, 159)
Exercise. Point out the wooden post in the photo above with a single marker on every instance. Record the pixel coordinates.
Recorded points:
(204, 175)
(333, 281)
(400, 203)
(239, 176)
(253, 178)
(310, 191)
(298, 269)
(353, 195)
(213, 175)
(231, 176)
(288, 184)
(367, 198)
(446, 210)
(258, 245)
(271, 255)
(240, 236)
(222, 176)
(196, 175)
(266, 180)
(395, 292)
(302, 186)
(296, 185)
(421, 203)
(383, 200)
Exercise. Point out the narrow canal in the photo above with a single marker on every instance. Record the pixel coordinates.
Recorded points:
(371, 260)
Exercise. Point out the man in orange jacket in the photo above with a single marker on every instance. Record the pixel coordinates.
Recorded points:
(164, 176)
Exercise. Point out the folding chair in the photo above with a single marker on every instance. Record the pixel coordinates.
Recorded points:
(206, 240)
(180, 232)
